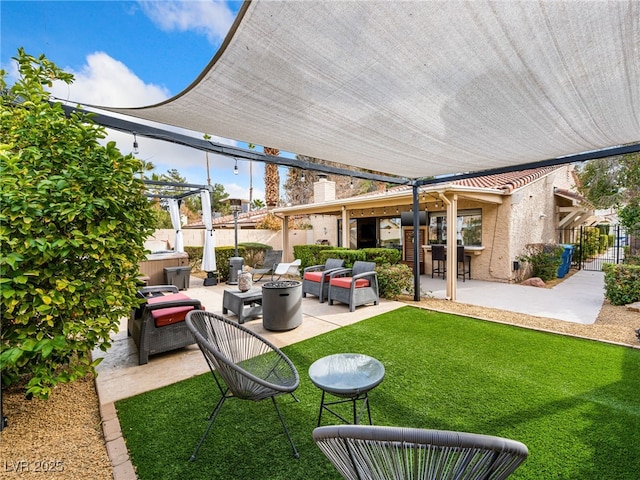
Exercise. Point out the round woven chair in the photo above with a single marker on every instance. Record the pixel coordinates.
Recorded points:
(375, 453)
(243, 364)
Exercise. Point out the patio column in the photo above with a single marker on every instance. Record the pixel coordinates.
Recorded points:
(416, 242)
(345, 227)
(285, 239)
(452, 261)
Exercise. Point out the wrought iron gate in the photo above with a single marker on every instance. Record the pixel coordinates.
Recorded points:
(594, 246)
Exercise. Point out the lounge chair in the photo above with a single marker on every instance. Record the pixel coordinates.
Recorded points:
(271, 260)
(354, 286)
(315, 279)
(363, 451)
(291, 268)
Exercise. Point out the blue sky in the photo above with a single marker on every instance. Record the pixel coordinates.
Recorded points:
(128, 53)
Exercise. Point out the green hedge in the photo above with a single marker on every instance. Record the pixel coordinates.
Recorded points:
(590, 242)
(621, 283)
(310, 254)
(604, 243)
(382, 255)
(223, 254)
(254, 252)
(349, 256)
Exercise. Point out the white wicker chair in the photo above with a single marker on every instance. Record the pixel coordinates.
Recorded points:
(375, 453)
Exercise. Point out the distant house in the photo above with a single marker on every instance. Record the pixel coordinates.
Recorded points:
(496, 216)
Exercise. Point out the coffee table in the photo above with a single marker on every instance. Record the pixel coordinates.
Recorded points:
(347, 375)
(246, 305)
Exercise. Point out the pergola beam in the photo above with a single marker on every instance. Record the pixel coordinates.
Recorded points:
(156, 133)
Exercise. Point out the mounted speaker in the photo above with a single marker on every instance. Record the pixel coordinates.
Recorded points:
(406, 218)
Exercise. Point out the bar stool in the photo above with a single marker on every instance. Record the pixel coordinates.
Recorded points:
(438, 261)
(464, 263)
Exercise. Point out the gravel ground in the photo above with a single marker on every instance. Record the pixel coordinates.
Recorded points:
(62, 438)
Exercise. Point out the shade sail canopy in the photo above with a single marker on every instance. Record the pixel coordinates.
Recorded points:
(421, 88)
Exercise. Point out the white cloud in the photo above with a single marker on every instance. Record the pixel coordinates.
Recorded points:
(106, 81)
(211, 18)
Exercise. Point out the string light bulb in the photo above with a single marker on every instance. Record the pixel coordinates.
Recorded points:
(302, 177)
(235, 168)
(351, 183)
(135, 144)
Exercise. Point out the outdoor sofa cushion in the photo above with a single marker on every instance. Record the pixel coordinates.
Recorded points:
(168, 316)
(316, 276)
(345, 282)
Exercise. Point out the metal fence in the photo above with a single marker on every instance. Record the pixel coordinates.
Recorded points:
(594, 246)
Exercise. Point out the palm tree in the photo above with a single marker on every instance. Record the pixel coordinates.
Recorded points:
(145, 167)
(271, 179)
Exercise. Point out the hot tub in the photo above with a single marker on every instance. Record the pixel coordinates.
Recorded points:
(156, 263)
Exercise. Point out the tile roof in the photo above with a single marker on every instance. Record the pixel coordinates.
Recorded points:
(507, 181)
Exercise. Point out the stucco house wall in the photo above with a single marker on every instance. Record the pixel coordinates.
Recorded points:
(533, 217)
(325, 227)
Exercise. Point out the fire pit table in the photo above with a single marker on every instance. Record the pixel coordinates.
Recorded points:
(282, 305)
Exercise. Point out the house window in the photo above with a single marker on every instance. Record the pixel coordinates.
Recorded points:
(468, 227)
(390, 233)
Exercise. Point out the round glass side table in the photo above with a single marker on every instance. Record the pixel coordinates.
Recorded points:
(349, 376)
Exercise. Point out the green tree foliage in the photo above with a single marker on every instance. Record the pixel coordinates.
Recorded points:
(73, 220)
(298, 188)
(257, 204)
(219, 199)
(612, 181)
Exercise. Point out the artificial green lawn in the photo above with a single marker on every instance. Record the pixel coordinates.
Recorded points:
(573, 402)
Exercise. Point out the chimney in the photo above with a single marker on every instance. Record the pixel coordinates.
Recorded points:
(323, 190)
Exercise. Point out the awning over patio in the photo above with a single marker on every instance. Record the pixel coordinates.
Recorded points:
(421, 88)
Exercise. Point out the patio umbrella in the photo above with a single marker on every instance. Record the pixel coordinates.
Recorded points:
(208, 255)
(174, 211)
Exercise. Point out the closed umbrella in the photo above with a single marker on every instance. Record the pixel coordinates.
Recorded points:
(174, 211)
(208, 255)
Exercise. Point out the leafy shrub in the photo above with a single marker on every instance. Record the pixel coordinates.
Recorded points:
(254, 252)
(223, 255)
(310, 254)
(590, 242)
(73, 221)
(382, 255)
(394, 280)
(349, 256)
(621, 283)
(270, 222)
(544, 258)
(604, 243)
(195, 257)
